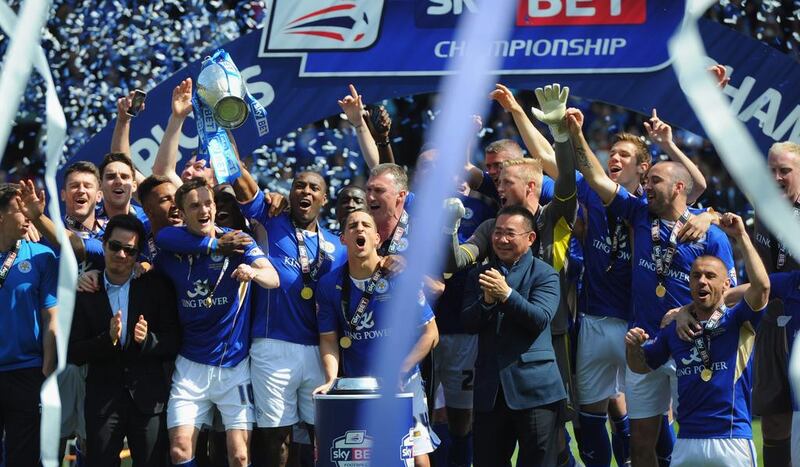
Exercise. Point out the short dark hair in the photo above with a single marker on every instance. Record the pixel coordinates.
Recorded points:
(364, 210)
(191, 185)
(149, 184)
(8, 191)
(516, 210)
(82, 167)
(116, 157)
(127, 222)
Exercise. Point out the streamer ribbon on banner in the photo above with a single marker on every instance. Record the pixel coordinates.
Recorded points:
(733, 142)
(215, 145)
(56, 126)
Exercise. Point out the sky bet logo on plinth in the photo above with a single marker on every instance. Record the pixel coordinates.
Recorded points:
(352, 449)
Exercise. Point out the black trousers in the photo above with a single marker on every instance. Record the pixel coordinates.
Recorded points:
(20, 414)
(496, 433)
(106, 429)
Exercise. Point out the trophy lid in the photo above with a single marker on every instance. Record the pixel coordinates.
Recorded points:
(363, 385)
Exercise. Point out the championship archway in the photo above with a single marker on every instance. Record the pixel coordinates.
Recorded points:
(301, 62)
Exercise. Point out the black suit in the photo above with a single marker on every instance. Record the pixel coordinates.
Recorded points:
(518, 392)
(126, 386)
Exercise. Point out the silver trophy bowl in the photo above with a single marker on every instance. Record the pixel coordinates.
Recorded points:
(224, 93)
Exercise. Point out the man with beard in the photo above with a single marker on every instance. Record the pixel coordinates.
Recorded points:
(661, 264)
(713, 367)
(604, 304)
(28, 283)
(771, 393)
(214, 343)
(359, 287)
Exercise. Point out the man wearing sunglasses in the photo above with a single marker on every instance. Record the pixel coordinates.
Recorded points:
(125, 332)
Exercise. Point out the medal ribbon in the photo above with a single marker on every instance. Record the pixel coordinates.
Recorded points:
(702, 343)
(366, 297)
(663, 263)
(397, 235)
(79, 228)
(9, 261)
(209, 301)
(309, 274)
(780, 260)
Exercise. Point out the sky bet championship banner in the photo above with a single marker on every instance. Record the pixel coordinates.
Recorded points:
(614, 51)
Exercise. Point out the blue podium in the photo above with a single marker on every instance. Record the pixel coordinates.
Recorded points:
(341, 435)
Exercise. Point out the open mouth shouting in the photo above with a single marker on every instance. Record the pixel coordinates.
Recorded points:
(204, 222)
(361, 241)
(174, 216)
(614, 170)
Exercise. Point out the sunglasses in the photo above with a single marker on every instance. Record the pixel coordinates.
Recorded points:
(116, 246)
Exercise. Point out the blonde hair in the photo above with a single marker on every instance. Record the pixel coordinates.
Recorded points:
(530, 170)
(642, 152)
(505, 145)
(785, 146)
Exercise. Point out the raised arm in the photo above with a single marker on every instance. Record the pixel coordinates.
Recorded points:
(586, 161)
(661, 134)
(120, 139)
(535, 142)
(167, 155)
(354, 109)
(379, 124)
(757, 295)
(32, 205)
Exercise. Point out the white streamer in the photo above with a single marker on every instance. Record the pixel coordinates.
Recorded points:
(32, 19)
(732, 140)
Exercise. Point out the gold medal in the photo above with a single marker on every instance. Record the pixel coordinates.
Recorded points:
(345, 342)
(307, 293)
(208, 302)
(660, 290)
(705, 375)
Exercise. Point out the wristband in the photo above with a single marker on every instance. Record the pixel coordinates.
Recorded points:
(383, 144)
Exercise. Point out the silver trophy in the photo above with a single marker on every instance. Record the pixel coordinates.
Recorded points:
(222, 89)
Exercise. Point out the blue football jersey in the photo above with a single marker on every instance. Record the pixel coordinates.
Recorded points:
(606, 287)
(283, 313)
(371, 329)
(720, 407)
(213, 308)
(648, 308)
(786, 286)
(30, 287)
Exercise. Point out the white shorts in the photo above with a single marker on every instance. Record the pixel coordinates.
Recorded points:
(197, 388)
(72, 389)
(422, 436)
(649, 395)
(600, 361)
(284, 376)
(730, 452)
(454, 368)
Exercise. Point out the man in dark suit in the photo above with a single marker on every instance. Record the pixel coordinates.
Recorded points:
(126, 331)
(518, 393)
